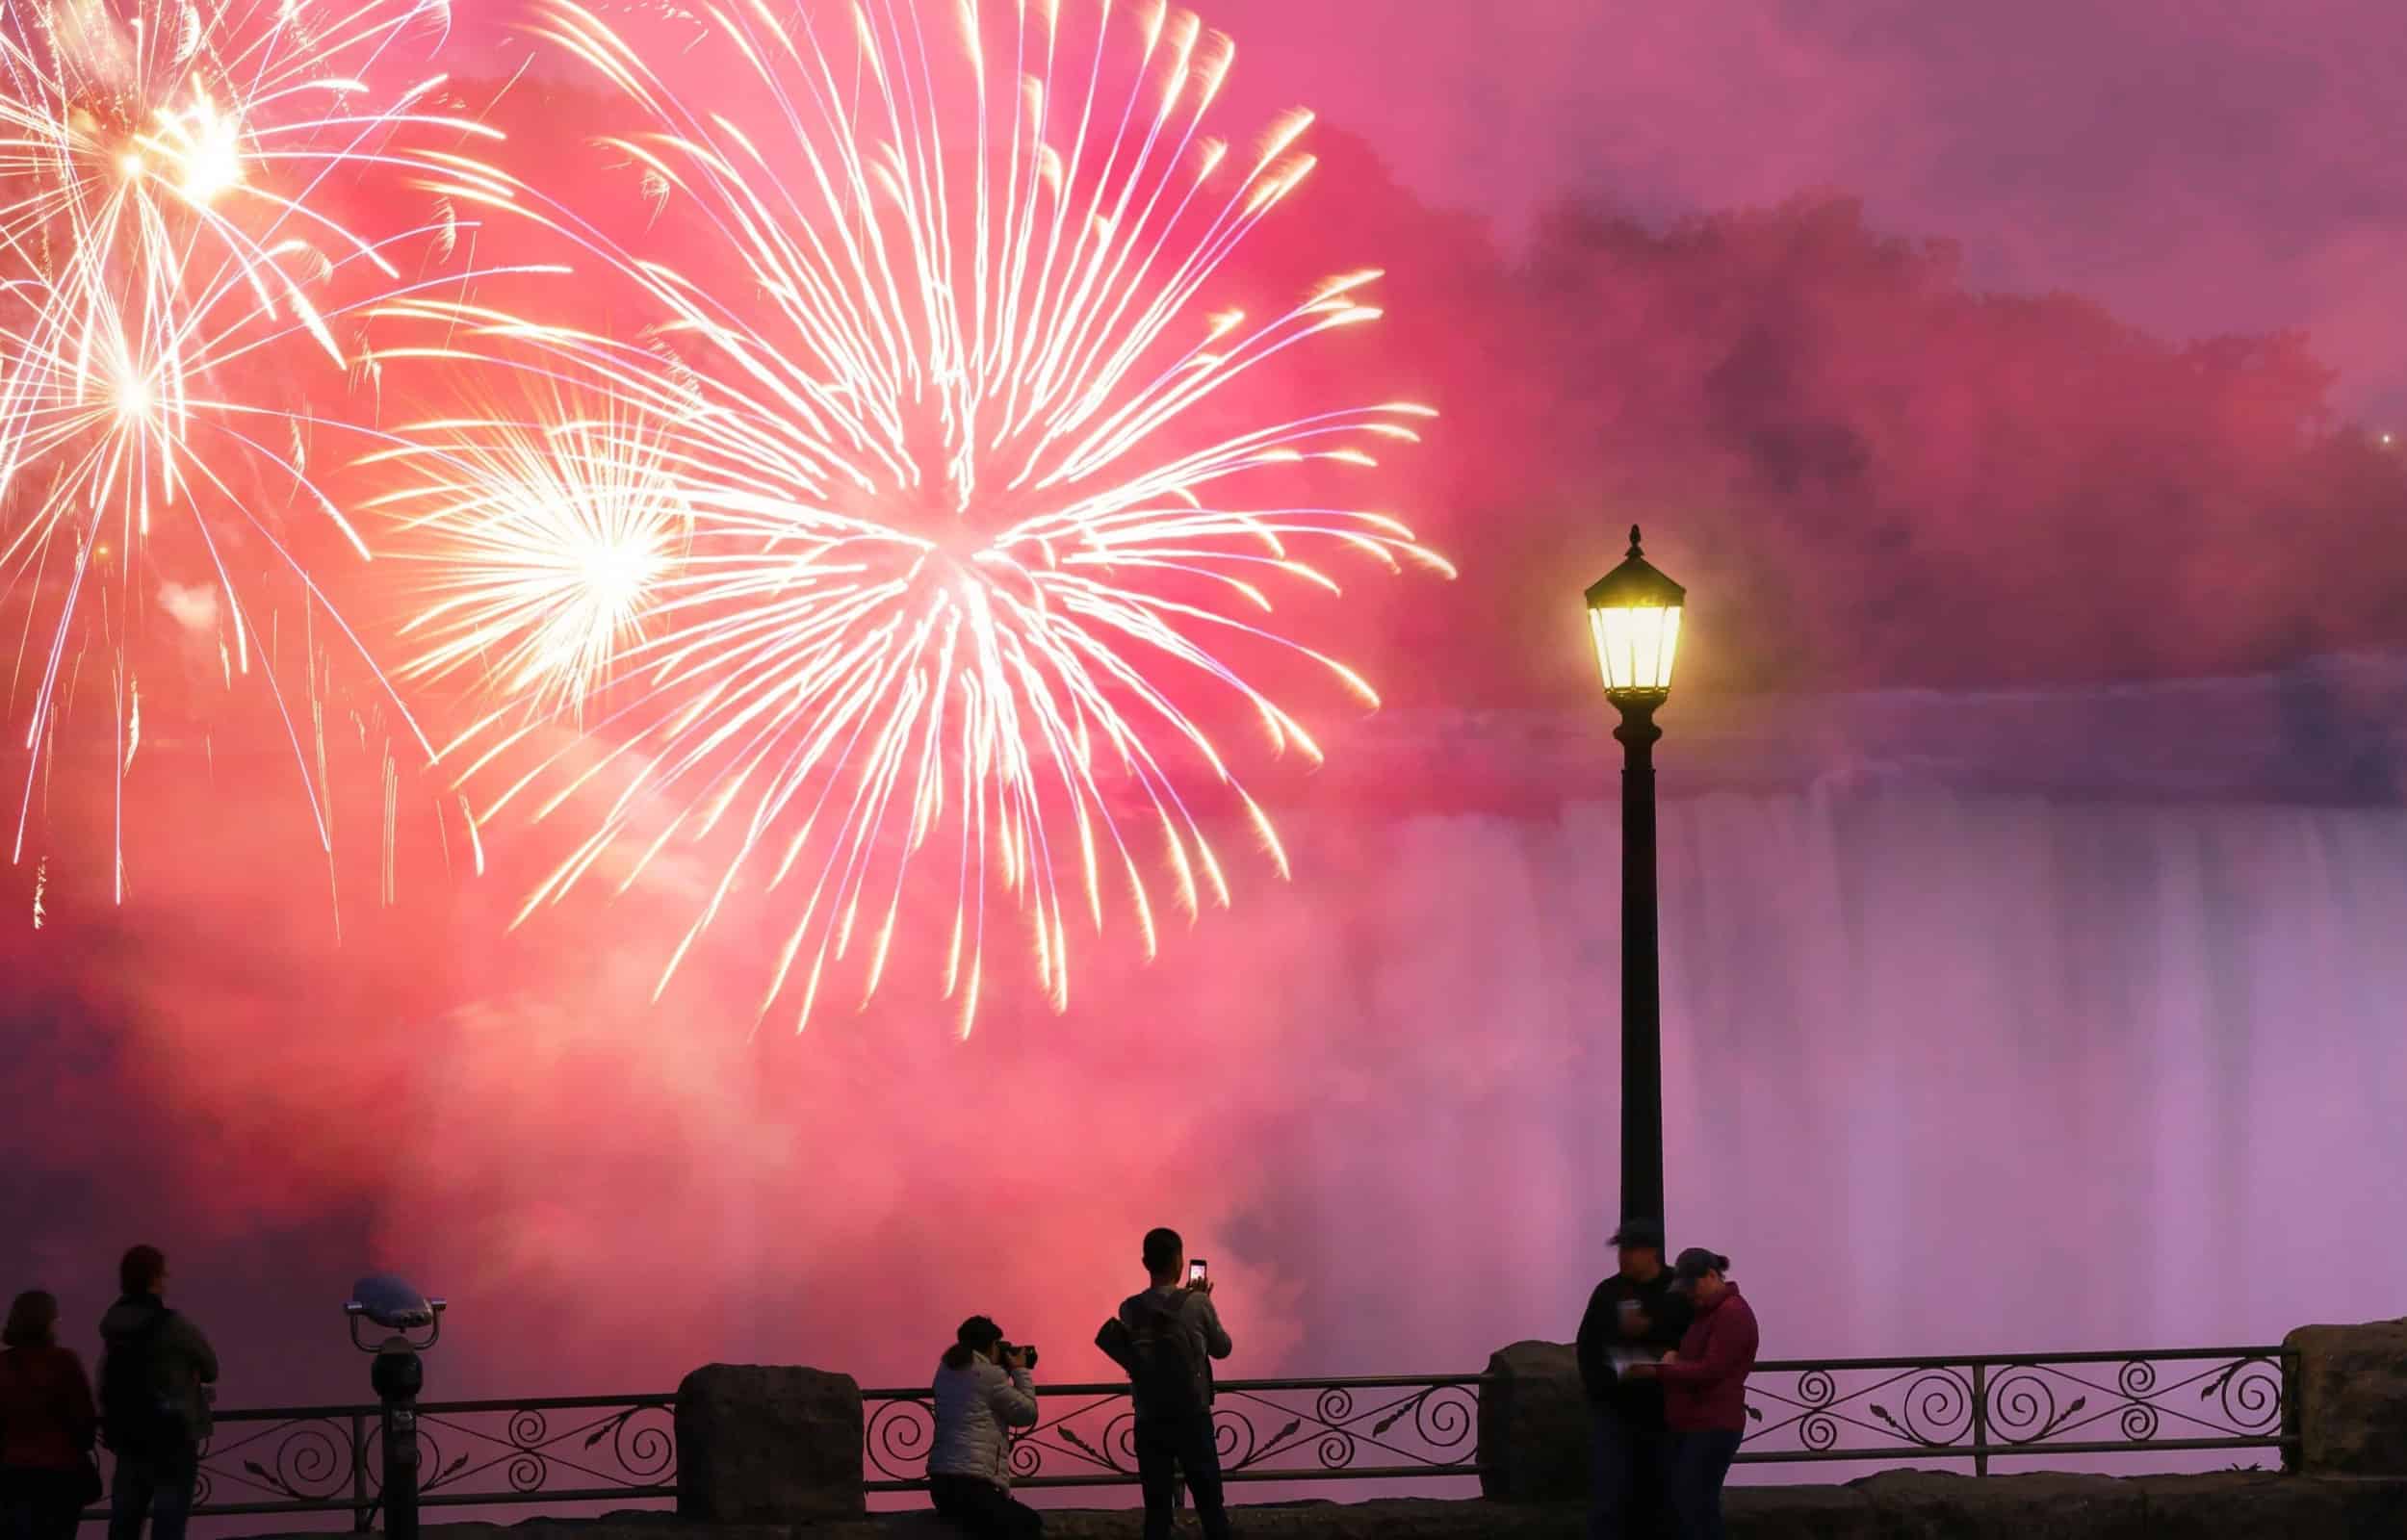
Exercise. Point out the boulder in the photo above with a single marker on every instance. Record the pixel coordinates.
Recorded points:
(1532, 1424)
(2036, 1505)
(2351, 1399)
(758, 1444)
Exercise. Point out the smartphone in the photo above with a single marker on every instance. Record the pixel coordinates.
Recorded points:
(1195, 1272)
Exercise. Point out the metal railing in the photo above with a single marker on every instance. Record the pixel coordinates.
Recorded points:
(575, 1450)
(330, 1460)
(1981, 1407)
(1375, 1429)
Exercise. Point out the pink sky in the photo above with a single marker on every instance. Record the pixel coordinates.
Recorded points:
(2197, 167)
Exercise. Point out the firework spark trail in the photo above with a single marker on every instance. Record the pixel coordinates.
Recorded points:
(164, 254)
(917, 527)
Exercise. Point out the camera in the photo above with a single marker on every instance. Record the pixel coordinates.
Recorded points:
(1007, 1349)
(392, 1303)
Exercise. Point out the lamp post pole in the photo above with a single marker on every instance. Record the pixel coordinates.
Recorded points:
(1641, 989)
(1634, 615)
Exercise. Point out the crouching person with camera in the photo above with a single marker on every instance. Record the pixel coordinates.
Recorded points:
(982, 1391)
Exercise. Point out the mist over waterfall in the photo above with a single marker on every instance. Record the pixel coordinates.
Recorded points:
(1949, 1066)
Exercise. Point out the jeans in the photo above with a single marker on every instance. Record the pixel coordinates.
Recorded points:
(158, 1487)
(1698, 1463)
(1167, 1446)
(1626, 1458)
(984, 1510)
(39, 1505)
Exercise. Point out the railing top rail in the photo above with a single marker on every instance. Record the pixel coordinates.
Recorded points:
(1790, 1366)
(1120, 1387)
(526, 1403)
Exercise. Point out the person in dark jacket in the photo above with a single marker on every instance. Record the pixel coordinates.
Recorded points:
(157, 1438)
(46, 1426)
(1704, 1386)
(1633, 1317)
(1174, 1440)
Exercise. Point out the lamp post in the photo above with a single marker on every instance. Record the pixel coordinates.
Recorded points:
(1634, 615)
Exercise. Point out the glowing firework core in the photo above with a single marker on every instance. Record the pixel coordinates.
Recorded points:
(207, 144)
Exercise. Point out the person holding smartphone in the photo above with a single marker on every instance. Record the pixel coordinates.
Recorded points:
(982, 1391)
(1633, 1318)
(1166, 1337)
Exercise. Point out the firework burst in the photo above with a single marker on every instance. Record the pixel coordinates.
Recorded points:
(964, 488)
(168, 268)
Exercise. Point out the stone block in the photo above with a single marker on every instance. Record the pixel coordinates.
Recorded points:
(2352, 1399)
(767, 1445)
(1532, 1424)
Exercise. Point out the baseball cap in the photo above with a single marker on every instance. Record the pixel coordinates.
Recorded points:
(1639, 1232)
(1693, 1264)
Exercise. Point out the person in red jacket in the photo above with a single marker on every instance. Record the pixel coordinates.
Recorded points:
(46, 1426)
(1704, 1390)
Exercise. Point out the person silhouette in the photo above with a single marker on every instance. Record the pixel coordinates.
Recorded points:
(47, 1426)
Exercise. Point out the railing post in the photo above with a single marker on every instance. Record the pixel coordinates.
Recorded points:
(2289, 1410)
(361, 1509)
(1981, 1418)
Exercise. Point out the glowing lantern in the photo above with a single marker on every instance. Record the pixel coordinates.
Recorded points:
(1634, 613)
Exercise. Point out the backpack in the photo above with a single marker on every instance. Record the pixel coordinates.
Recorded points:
(135, 1417)
(1165, 1370)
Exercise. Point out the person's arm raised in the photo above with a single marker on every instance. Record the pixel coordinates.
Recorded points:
(1215, 1337)
(1014, 1397)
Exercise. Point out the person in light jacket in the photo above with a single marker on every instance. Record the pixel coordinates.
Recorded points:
(982, 1391)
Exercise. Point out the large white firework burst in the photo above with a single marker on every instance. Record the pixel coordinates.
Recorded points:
(966, 490)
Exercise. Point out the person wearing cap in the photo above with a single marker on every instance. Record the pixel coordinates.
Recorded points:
(982, 1391)
(1704, 1390)
(1633, 1318)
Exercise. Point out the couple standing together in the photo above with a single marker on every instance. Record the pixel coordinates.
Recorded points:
(1663, 1355)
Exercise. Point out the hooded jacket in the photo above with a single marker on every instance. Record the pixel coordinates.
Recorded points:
(183, 1365)
(975, 1406)
(1704, 1391)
